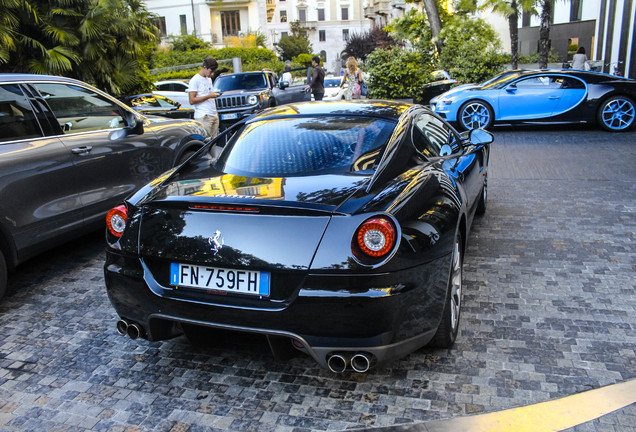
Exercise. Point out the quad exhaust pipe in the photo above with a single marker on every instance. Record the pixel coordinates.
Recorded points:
(360, 362)
(132, 330)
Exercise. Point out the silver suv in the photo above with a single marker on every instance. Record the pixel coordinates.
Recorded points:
(68, 154)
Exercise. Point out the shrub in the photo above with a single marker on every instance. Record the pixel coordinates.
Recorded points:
(471, 49)
(397, 73)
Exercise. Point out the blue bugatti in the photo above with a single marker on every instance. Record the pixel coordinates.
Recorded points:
(560, 96)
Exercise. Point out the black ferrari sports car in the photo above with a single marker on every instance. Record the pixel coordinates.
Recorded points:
(560, 96)
(336, 229)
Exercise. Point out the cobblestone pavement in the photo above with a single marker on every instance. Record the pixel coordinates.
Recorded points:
(548, 312)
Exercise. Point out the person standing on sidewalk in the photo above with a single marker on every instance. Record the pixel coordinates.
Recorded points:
(202, 96)
(317, 83)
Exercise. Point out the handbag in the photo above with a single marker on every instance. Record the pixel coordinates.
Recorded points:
(364, 89)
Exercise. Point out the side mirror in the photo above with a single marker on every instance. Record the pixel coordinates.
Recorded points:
(135, 123)
(480, 137)
(283, 85)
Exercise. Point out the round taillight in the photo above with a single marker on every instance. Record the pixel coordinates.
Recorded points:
(376, 237)
(116, 220)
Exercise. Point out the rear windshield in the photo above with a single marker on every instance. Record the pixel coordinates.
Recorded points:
(306, 146)
(255, 81)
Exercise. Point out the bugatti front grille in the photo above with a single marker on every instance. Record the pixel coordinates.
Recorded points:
(231, 102)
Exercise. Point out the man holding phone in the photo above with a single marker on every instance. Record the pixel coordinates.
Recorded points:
(202, 96)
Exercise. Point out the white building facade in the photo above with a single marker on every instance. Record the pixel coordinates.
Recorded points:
(328, 23)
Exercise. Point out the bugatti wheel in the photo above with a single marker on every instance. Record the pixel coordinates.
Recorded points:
(447, 329)
(475, 115)
(617, 114)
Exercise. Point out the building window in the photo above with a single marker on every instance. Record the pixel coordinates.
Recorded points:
(230, 23)
(284, 34)
(321, 14)
(323, 56)
(525, 19)
(302, 15)
(184, 24)
(575, 10)
(345, 35)
(345, 14)
(283, 16)
(322, 35)
(160, 23)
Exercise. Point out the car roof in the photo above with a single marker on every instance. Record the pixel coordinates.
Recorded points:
(9, 77)
(369, 108)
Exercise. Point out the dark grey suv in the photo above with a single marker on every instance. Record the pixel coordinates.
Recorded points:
(68, 154)
(246, 93)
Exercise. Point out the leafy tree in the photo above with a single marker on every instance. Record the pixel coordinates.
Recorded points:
(104, 42)
(510, 9)
(435, 22)
(471, 49)
(295, 44)
(362, 44)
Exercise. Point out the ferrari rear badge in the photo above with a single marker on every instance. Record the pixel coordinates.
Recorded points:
(216, 242)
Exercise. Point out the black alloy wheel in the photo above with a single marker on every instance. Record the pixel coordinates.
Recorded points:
(3, 275)
(449, 325)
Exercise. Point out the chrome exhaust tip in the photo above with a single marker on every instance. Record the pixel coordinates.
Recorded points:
(122, 327)
(133, 331)
(337, 363)
(360, 362)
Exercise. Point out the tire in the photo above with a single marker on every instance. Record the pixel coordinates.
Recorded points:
(483, 199)
(3, 275)
(192, 148)
(475, 114)
(449, 325)
(616, 114)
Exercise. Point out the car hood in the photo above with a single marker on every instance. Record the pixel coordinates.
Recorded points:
(455, 90)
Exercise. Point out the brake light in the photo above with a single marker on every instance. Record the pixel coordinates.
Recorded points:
(116, 220)
(376, 237)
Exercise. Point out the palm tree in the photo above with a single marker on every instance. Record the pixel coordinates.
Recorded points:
(103, 42)
(544, 31)
(511, 9)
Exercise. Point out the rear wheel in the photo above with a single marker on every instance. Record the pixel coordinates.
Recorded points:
(617, 114)
(475, 114)
(3, 275)
(447, 329)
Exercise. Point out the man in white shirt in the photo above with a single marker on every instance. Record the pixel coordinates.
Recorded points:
(202, 96)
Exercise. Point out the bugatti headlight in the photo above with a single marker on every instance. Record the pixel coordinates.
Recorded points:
(252, 99)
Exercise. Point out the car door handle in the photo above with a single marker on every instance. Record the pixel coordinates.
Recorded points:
(553, 97)
(82, 149)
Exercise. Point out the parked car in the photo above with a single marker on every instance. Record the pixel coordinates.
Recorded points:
(566, 95)
(154, 104)
(177, 90)
(68, 153)
(441, 82)
(333, 90)
(337, 229)
(246, 93)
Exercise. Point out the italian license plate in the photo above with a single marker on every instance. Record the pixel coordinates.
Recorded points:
(220, 279)
(229, 116)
